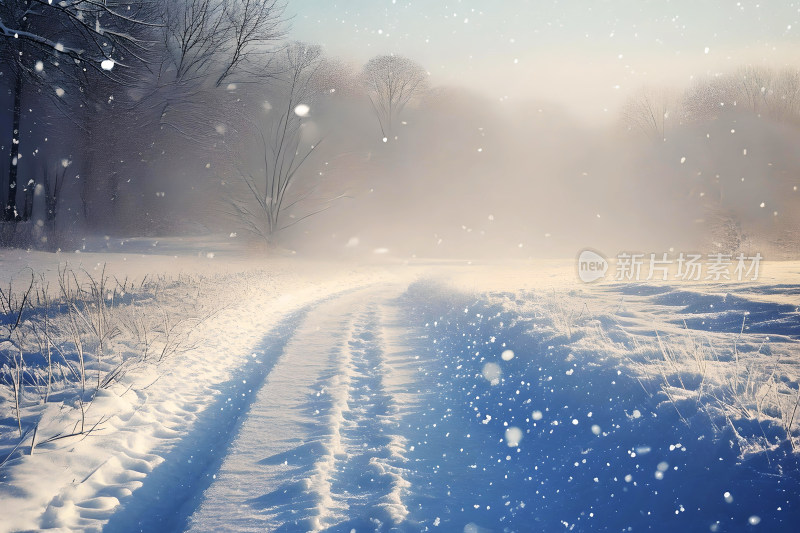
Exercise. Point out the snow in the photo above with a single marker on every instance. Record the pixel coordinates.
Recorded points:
(150, 419)
(492, 373)
(328, 425)
(513, 437)
(334, 396)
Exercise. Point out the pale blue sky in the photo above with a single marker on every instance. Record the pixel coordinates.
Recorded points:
(588, 54)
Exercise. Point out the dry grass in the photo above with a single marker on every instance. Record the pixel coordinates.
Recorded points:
(90, 332)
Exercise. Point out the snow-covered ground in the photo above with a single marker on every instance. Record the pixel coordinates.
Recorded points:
(300, 396)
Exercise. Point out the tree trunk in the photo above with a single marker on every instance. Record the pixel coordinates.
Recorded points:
(10, 212)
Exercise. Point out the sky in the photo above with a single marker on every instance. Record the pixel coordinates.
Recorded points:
(586, 55)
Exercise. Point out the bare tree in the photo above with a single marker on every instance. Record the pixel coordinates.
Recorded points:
(725, 231)
(708, 99)
(53, 185)
(785, 93)
(752, 89)
(202, 49)
(272, 196)
(253, 24)
(193, 32)
(651, 112)
(208, 42)
(198, 46)
(62, 44)
(392, 82)
(763, 91)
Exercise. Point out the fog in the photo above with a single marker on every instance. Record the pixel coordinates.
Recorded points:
(471, 178)
(521, 131)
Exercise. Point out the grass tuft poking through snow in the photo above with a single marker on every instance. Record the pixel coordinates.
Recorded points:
(61, 346)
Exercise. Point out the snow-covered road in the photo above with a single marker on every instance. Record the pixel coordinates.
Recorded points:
(322, 443)
(397, 408)
(319, 443)
(394, 404)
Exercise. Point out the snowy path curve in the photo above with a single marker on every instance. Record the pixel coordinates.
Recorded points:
(414, 408)
(320, 446)
(317, 446)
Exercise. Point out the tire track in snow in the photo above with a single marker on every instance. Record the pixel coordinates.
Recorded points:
(363, 471)
(321, 448)
(328, 508)
(263, 480)
(171, 492)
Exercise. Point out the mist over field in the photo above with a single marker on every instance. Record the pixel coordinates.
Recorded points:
(511, 131)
